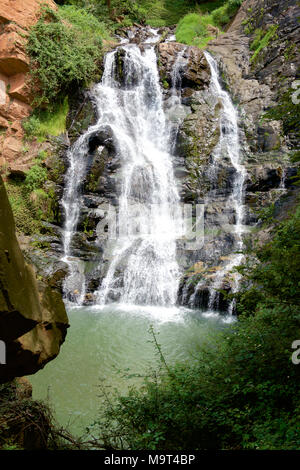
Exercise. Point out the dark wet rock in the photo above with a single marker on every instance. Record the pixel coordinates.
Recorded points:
(101, 137)
(82, 113)
(263, 179)
(268, 138)
(195, 75)
(199, 282)
(196, 141)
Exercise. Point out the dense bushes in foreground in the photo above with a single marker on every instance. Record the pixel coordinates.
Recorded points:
(242, 391)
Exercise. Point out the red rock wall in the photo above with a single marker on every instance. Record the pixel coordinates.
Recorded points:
(16, 17)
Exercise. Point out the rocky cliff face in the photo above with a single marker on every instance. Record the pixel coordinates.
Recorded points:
(259, 59)
(33, 320)
(16, 17)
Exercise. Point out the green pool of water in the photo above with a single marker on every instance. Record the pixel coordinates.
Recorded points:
(102, 341)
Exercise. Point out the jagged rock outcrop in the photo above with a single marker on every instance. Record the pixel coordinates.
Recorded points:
(258, 73)
(255, 74)
(16, 17)
(195, 75)
(33, 320)
(199, 132)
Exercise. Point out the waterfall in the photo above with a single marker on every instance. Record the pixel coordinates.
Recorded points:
(74, 284)
(143, 268)
(228, 146)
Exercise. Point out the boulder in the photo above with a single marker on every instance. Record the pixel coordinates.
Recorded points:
(33, 320)
(196, 73)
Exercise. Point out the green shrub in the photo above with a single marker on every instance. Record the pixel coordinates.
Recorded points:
(84, 22)
(192, 28)
(61, 55)
(31, 126)
(156, 13)
(221, 16)
(35, 177)
(225, 13)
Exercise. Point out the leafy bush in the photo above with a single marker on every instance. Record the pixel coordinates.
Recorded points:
(29, 201)
(22, 208)
(31, 126)
(275, 278)
(61, 55)
(35, 177)
(84, 22)
(156, 13)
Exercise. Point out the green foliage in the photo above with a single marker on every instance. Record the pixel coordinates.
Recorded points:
(30, 202)
(276, 275)
(242, 389)
(223, 15)
(288, 112)
(156, 13)
(85, 23)
(266, 214)
(35, 177)
(61, 54)
(22, 207)
(44, 122)
(261, 41)
(31, 126)
(193, 28)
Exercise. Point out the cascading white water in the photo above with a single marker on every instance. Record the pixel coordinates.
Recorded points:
(228, 146)
(143, 269)
(75, 281)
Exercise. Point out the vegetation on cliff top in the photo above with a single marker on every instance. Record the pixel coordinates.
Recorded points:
(64, 50)
(30, 203)
(123, 13)
(196, 28)
(157, 13)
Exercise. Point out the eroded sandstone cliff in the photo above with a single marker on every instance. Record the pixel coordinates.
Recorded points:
(16, 17)
(33, 320)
